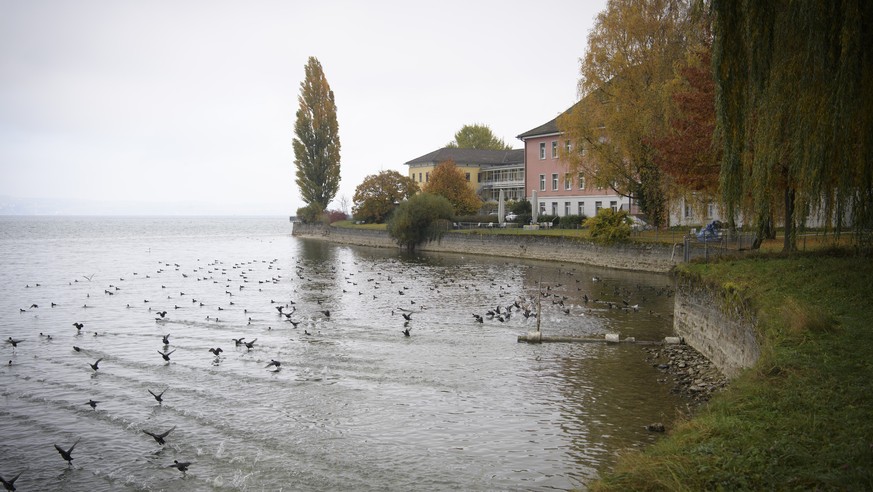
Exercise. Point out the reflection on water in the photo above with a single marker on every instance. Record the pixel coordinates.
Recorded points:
(355, 404)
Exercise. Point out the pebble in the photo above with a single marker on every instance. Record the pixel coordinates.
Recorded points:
(691, 374)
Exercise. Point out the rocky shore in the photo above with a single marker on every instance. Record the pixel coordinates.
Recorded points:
(688, 372)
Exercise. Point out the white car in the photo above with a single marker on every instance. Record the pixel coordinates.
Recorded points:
(511, 216)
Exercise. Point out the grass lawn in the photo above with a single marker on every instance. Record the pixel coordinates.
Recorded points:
(802, 418)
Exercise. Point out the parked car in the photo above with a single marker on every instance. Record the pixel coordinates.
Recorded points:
(511, 216)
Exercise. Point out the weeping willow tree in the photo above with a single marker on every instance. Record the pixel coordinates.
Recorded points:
(794, 108)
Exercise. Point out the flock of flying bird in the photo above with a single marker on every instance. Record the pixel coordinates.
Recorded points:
(528, 307)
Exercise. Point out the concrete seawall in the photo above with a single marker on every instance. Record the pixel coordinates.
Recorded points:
(631, 256)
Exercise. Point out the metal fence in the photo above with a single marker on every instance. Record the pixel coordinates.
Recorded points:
(714, 247)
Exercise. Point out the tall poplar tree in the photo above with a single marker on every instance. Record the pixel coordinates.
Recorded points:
(316, 144)
(794, 92)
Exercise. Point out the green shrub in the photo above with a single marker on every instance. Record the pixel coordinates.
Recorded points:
(422, 218)
(572, 221)
(310, 214)
(608, 226)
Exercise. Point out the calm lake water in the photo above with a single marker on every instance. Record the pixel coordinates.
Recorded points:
(354, 405)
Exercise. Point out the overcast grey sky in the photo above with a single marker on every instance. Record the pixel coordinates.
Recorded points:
(166, 106)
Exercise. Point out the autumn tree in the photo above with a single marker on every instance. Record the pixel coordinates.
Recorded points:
(316, 143)
(449, 181)
(422, 218)
(477, 136)
(793, 85)
(378, 195)
(630, 60)
(687, 152)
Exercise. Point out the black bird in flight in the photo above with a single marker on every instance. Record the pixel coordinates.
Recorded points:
(93, 404)
(182, 466)
(10, 484)
(406, 332)
(13, 342)
(160, 396)
(79, 326)
(77, 349)
(216, 351)
(94, 365)
(274, 362)
(67, 455)
(326, 313)
(159, 437)
(238, 341)
(407, 316)
(251, 344)
(166, 355)
(166, 339)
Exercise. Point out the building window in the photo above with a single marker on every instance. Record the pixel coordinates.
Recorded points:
(554, 181)
(568, 146)
(568, 182)
(581, 181)
(613, 205)
(427, 177)
(554, 149)
(467, 175)
(542, 150)
(581, 208)
(710, 210)
(689, 213)
(597, 206)
(542, 208)
(566, 208)
(542, 182)
(419, 177)
(554, 208)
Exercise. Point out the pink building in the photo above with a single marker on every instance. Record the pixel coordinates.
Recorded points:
(560, 192)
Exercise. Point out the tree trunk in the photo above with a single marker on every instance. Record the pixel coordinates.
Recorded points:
(790, 244)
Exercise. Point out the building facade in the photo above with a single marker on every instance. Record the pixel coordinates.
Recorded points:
(487, 171)
(560, 191)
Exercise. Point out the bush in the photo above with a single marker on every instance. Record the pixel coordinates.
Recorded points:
(521, 207)
(548, 218)
(572, 221)
(335, 216)
(310, 214)
(422, 218)
(608, 226)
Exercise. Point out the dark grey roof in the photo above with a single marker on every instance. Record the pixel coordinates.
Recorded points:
(549, 128)
(472, 156)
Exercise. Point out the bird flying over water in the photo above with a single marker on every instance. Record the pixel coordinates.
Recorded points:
(94, 365)
(93, 404)
(238, 341)
(182, 466)
(406, 332)
(275, 363)
(166, 339)
(160, 396)
(251, 344)
(79, 326)
(159, 437)
(216, 351)
(166, 355)
(13, 342)
(10, 484)
(67, 455)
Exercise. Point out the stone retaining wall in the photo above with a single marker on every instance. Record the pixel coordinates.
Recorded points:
(717, 323)
(630, 256)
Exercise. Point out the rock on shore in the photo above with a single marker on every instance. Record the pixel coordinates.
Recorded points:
(691, 374)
